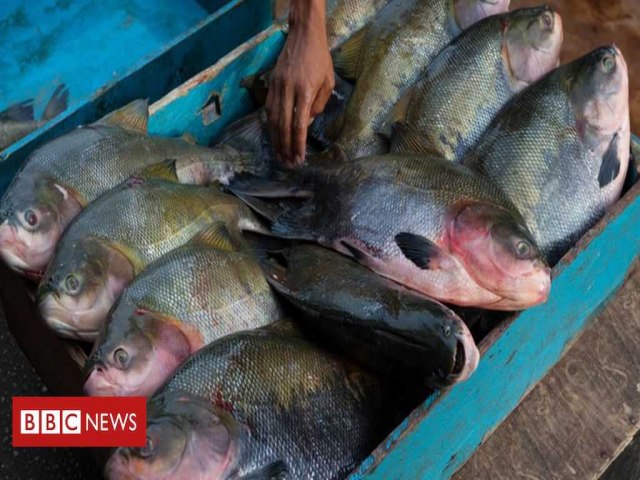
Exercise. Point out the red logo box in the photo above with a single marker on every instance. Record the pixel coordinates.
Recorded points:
(79, 421)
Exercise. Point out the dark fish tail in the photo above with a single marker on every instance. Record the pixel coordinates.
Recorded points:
(57, 103)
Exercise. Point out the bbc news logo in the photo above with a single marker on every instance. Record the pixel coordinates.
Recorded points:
(79, 421)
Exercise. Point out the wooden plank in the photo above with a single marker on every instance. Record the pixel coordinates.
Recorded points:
(211, 100)
(583, 413)
(178, 61)
(627, 465)
(438, 437)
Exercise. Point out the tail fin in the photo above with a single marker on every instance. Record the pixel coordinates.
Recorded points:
(57, 103)
(258, 86)
(18, 112)
(325, 127)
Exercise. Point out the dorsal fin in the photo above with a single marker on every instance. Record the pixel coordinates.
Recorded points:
(215, 236)
(133, 116)
(346, 58)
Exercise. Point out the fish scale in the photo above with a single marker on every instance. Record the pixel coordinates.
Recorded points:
(347, 16)
(303, 407)
(534, 151)
(396, 48)
(151, 218)
(216, 292)
(463, 89)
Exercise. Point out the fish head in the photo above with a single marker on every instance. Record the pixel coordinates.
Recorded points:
(136, 352)
(467, 355)
(533, 38)
(599, 90)
(468, 12)
(80, 285)
(33, 215)
(500, 254)
(187, 437)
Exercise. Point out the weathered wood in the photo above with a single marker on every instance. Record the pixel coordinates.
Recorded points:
(627, 465)
(583, 413)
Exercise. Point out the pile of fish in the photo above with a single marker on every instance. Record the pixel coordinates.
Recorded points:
(265, 311)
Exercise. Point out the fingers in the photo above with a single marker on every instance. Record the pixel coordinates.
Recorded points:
(287, 104)
(322, 97)
(300, 124)
(273, 111)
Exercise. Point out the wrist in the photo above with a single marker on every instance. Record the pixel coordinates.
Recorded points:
(307, 17)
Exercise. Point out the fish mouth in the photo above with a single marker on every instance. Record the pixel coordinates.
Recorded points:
(57, 318)
(466, 357)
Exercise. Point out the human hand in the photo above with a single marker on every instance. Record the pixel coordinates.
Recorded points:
(301, 82)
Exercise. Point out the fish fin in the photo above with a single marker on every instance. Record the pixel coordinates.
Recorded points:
(406, 139)
(243, 133)
(188, 138)
(346, 57)
(397, 114)
(610, 167)
(165, 170)
(274, 471)
(295, 222)
(57, 103)
(256, 187)
(18, 112)
(355, 252)
(420, 250)
(268, 210)
(134, 116)
(216, 236)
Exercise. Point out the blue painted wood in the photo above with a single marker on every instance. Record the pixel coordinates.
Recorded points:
(82, 43)
(213, 99)
(442, 434)
(153, 76)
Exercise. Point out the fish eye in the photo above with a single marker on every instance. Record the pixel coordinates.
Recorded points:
(121, 357)
(147, 450)
(523, 249)
(547, 20)
(30, 218)
(446, 329)
(608, 62)
(72, 284)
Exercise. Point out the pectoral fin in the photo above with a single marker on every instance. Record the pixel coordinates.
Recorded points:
(610, 167)
(420, 250)
(215, 236)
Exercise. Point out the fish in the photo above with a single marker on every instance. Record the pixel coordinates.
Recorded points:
(465, 86)
(257, 404)
(186, 299)
(345, 17)
(18, 120)
(384, 326)
(388, 56)
(65, 175)
(120, 234)
(426, 223)
(560, 148)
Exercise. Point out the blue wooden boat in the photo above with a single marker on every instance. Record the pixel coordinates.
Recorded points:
(159, 45)
(440, 435)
